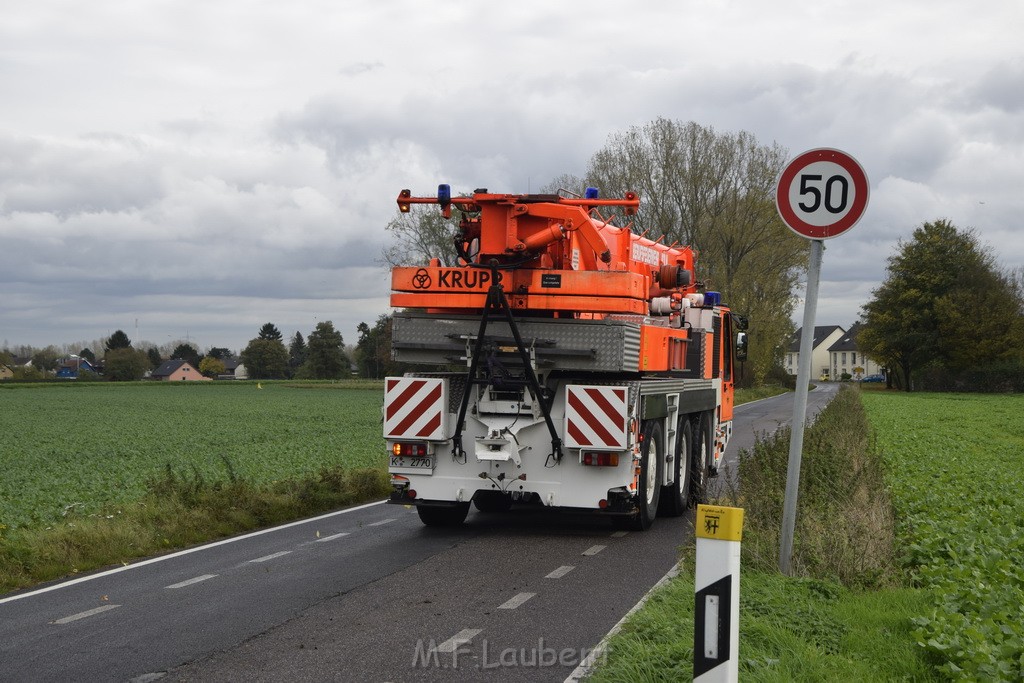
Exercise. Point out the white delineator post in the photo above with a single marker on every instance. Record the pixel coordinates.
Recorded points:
(716, 640)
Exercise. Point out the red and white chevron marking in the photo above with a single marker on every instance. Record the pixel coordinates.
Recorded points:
(596, 417)
(415, 408)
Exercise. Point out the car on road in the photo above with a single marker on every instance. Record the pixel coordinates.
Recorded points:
(873, 378)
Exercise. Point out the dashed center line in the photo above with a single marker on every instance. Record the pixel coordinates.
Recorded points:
(619, 534)
(560, 572)
(197, 579)
(271, 557)
(382, 522)
(516, 601)
(594, 550)
(331, 538)
(460, 638)
(83, 615)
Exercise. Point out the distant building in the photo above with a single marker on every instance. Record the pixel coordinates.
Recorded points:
(177, 371)
(824, 337)
(5, 372)
(846, 358)
(233, 369)
(71, 367)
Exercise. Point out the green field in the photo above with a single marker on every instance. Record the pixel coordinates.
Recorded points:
(948, 606)
(956, 470)
(83, 447)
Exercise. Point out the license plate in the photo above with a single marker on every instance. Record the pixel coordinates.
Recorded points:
(410, 462)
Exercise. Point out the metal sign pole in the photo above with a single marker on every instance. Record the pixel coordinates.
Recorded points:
(803, 379)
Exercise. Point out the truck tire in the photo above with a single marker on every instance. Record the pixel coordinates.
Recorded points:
(675, 497)
(701, 461)
(652, 463)
(443, 515)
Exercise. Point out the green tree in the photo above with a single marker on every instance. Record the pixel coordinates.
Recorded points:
(211, 367)
(118, 340)
(154, 356)
(270, 331)
(219, 352)
(87, 354)
(714, 192)
(325, 357)
(917, 317)
(296, 353)
(186, 352)
(265, 359)
(125, 364)
(46, 359)
(373, 350)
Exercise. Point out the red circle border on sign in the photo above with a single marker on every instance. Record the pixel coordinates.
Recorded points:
(822, 232)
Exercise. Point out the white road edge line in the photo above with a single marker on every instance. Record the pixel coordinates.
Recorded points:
(460, 638)
(163, 558)
(581, 671)
(197, 579)
(83, 615)
(331, 538)
(560, 572)
(516, 601)
(594, 550)
(271, 557)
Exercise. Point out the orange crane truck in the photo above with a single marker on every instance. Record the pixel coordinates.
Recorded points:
(591, 370)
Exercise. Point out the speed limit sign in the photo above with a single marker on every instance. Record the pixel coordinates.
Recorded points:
(822, 193)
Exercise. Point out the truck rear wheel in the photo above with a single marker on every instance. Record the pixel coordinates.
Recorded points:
(676, 496)
(443, 515)
(652, 462)
(701, 460)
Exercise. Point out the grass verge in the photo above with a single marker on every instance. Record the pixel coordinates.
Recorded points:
(179, 510)
(846, 615)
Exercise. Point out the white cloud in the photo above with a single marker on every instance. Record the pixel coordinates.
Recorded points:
(212, 167)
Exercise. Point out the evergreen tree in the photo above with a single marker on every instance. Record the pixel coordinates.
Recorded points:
(188, 353)
(270, 331)
(118, 340)
(297, 352)
(325, 357)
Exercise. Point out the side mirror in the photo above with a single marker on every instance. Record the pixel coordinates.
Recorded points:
(741, 346)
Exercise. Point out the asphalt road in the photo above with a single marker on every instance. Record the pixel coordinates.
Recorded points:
(363, 594)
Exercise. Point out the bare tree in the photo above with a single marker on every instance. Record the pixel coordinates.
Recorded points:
(715, 192)
(420, 235)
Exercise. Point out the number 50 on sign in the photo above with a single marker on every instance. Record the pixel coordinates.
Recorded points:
(822, 193)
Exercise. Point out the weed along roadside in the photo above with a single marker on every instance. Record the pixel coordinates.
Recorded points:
(156, 468)
(872, 597)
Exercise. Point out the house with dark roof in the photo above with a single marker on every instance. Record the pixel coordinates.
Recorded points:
(824, 337)
(178, 371)
(233, 369)
(846, 358)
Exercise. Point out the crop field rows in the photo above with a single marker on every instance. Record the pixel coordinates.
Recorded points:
(82, 448)
(956, 471)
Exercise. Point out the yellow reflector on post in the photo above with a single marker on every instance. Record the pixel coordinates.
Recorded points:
(720, 523)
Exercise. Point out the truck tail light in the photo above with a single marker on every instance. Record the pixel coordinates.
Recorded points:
(601, 459)
(415, 450)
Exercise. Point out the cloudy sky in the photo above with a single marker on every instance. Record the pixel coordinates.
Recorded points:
(195, 169)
